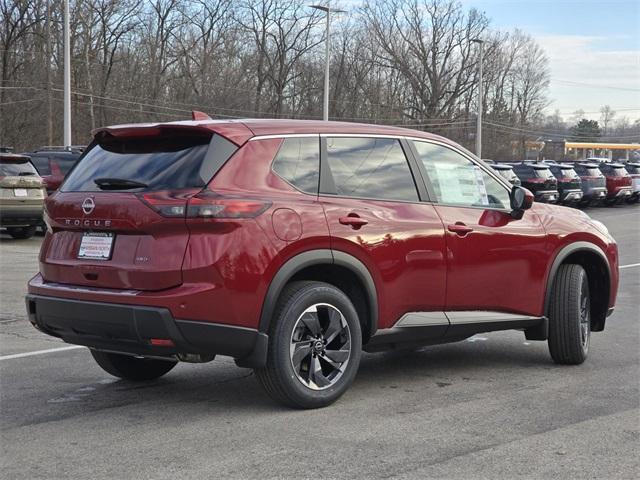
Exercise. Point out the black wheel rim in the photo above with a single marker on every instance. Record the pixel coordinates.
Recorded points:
(585, 315)
(320, 346)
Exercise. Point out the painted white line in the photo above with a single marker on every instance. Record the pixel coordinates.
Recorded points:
(631, 265)
(39, 352)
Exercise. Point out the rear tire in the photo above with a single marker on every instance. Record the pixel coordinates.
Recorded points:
(570, 316)
(22, 233)
(315, 345)
(132, 368)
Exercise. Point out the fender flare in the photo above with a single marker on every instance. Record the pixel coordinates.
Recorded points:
(561, 257)
(308, 259)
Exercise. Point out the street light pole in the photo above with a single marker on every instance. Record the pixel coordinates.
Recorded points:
(67, 79)
(328, 10)
(479, 117)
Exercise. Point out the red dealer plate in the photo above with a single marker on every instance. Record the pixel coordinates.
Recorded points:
(96, 245)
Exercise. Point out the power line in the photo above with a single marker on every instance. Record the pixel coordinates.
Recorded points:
(593, 85)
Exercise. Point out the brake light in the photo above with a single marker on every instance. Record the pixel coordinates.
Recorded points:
(537, 180)
(169, 203)
(208, 204)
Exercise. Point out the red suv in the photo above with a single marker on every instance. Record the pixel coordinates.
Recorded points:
(294, 245)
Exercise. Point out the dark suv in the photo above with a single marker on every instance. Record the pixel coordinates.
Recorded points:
(292, 246)
(537, 177)
(53, 164)
(594, 184)
(569, 183)
(633, 168)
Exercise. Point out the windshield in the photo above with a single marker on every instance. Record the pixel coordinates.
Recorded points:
(150, 164)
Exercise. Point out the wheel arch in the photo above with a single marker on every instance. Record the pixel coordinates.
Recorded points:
(590, 257)
(353, 278)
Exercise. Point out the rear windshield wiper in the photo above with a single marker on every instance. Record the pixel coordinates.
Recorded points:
(25, 174)
(118, 184)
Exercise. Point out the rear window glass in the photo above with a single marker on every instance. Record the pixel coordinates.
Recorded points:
(618, 172)
(507, 174)
(567, 173)
(542, 173)
(158, 163)
(42, 165)
(370, 168)
(298, 162)
(633, 169)
(17, 169)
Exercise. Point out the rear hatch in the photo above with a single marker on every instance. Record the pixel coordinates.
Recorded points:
(617, 177)
(20, 183)
(591, 177)
(568, 179)
(118, 221)
(542, 179)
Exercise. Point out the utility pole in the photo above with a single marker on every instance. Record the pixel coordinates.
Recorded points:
(479, 117)
(67, 78)
(49, 91)
(328, 10)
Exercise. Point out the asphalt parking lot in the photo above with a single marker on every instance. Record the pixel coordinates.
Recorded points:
(493, 406)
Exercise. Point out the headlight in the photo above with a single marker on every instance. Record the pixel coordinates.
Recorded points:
(600, 226)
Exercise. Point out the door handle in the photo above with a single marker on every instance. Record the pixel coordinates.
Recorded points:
(353, 220)
(459, 228)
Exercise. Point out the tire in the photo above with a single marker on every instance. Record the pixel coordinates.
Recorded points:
(315, 329)
(22, 233)
(132, 368)
(570, 316)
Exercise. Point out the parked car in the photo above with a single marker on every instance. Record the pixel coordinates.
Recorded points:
(618, 183)
(53, 164)
(594, 183)
(292, 246)
(21, 196)
(633, 168)
(569, 183)
(537, 177)
(506, 171)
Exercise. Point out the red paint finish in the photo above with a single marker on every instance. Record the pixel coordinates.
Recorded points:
(498, 264)
(615, 184)
(402, 245)
(422, 257)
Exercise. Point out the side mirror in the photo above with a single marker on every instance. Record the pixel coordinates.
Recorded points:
(521, 200)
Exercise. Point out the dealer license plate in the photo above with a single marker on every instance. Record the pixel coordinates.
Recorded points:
(96, 245)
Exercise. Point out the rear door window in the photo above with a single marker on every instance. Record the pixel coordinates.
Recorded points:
(298, 162)
(157, 163)
(370, 168)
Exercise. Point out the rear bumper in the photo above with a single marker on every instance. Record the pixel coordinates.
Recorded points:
(571, 196)
(546, 196)
(20, 215)
(130, 328)
(594, 193)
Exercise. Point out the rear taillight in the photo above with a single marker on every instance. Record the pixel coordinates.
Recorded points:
(206, 204)
(537, 180)
(169, 203)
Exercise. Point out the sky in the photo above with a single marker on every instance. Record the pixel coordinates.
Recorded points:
(593, 48)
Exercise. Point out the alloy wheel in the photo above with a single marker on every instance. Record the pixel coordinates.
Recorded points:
(320, 346)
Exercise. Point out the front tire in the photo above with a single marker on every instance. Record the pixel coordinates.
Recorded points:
(315, 345)
(570, 316)
(132, 368)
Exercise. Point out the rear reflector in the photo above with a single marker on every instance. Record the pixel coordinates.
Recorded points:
(161, 342)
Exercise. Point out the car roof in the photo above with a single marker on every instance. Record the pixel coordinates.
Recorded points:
(241, 130)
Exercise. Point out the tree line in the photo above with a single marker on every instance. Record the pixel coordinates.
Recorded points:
(400, 62)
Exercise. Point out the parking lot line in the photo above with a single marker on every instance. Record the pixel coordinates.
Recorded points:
(630, 265)
(40, 352)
